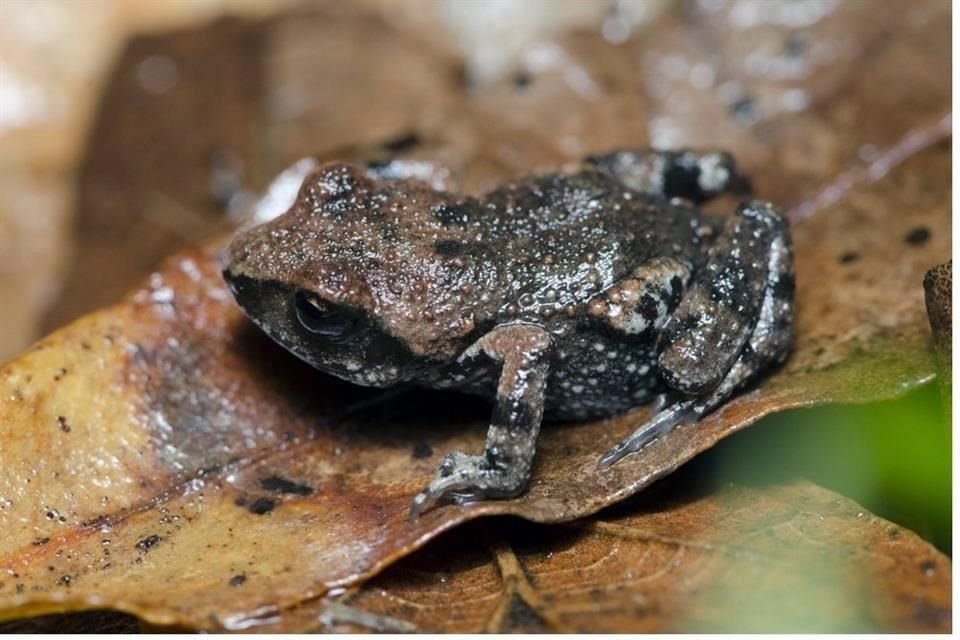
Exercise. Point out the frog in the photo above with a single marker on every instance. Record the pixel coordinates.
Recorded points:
(569, 295)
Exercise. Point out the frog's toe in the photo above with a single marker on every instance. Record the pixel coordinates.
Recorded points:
(465, 478)
(662, 422)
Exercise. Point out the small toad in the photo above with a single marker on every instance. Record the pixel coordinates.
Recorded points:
(566, 296)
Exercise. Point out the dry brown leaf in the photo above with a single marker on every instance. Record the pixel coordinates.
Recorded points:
(156, 450)
(787, 558)
(161, 457)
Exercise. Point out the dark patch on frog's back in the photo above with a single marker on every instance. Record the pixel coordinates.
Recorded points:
(456, 213)
(450, 248)
(455, 248)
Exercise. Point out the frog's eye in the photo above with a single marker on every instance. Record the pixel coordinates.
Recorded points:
(316, 317)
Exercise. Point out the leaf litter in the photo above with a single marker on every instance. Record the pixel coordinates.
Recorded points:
(161, 457)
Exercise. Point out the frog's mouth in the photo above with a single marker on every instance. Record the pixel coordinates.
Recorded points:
(338, 340)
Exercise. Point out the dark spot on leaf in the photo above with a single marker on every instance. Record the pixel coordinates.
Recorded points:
(520, 617)
(205, 471)
(282, 485)
(402, 143)
(238, 580)
(147, 543)
(795, 45)
(62, 372)
(262, 506)
(917, 237)
(744, 110)
(240, 501)
(931, 616)
(41, 541)
(374, 165)
(421, 450)
(849, 256)
(64, 426)
(521, 80)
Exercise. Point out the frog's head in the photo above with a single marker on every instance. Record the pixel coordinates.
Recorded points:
(340, 279)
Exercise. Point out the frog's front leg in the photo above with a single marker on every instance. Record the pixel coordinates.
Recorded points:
(503, 470)
(734, 322)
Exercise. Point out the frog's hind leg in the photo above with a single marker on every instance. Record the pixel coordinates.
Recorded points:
(735, 322)
(640, 304)
(694, 176)
(503, 470)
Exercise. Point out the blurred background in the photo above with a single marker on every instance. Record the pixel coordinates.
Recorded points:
(131, 129)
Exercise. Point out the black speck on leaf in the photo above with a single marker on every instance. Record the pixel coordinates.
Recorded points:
(848, 257)
(262, 506)
(402, 143)
(795, 45)
(278, 484)
(421, 450)
(522, 80)
(917, 236)
(145, 544)
(744, 110)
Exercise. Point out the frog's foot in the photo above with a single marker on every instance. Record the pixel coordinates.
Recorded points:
(661, 423)
(734, 323)
(504, 468)
(465, 478)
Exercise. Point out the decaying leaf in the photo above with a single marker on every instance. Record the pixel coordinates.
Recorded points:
(163, 447)
(788, 558)
(163, 458)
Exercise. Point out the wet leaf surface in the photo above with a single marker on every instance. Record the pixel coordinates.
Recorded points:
(163, 458)
(682, 558)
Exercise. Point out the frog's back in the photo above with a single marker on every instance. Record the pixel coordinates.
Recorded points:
(567, 237)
